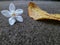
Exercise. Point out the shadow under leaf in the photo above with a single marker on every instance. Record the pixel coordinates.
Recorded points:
(50, 21)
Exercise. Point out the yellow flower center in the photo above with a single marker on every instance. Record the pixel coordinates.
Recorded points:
(14, 14)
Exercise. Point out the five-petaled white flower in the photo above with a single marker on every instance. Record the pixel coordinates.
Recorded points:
(13, 14)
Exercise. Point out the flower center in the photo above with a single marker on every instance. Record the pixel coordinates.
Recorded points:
(13, 14)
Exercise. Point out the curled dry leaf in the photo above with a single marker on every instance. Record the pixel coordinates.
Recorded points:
(36, 13)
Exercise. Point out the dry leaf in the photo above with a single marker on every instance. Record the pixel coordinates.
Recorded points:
(36, 13)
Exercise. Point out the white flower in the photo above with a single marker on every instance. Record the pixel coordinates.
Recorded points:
(13, 14)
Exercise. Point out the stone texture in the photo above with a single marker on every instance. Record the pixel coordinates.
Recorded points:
(30, 32)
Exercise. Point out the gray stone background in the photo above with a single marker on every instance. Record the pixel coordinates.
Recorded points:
(29, 0)
(30, 32)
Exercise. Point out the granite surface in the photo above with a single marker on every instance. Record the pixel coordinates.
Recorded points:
(30, 32)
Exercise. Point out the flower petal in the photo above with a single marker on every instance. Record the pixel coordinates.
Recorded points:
(6, 13)
(19, 18)
(19, 11)
(12, 21)
(12, 7)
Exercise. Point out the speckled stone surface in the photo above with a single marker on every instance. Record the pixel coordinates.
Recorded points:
(30, 32)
